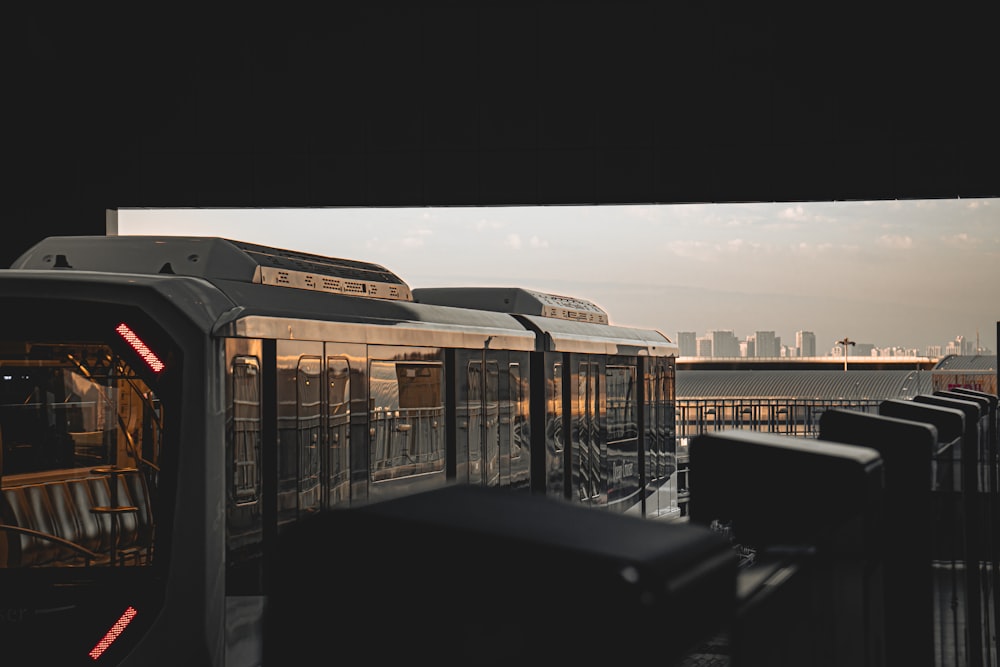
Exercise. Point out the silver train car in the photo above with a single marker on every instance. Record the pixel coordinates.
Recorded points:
(169, 405)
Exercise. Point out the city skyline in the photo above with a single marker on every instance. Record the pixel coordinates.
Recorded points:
(791, 347)
(901, 273)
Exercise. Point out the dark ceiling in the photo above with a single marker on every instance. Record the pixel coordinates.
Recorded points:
(489, 103)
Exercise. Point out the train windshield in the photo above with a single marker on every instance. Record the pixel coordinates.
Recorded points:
(80, 443)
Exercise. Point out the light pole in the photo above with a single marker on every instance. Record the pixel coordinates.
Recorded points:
(847, 341)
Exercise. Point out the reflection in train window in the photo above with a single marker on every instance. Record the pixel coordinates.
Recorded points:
(80, 440)
(339, 428)
(406, 423)
(622, 423)
(553, 413)
(515, 410)
(245, 430)
(309, 428)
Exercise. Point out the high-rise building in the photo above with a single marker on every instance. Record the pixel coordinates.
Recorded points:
(862, 350)
(767, 345)
(704, 346)
(805, 343)
(724, 343)
(687, 341)
(960, 346)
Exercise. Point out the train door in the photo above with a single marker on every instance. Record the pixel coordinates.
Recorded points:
(337, 449)
(245, 495)
(492, 426)
(299, 421)
(621, 419)
(513, 428)
(659, 438)
(588, 447)
(478, 432)
(552, 456)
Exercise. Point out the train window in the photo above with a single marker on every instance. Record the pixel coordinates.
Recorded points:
(67, 406)
(473, 416)
(553, 417)
(621, 403)
(587, 432)
(516, 410)
(491, 424)
(407, 418)
(245, 430)
(81, 429)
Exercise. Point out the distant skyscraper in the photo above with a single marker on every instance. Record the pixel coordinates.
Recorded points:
(768, 345)
(688, 343)
(704, 346)
(805, 343)
(960, 346)
(724, 344)
(862, 350)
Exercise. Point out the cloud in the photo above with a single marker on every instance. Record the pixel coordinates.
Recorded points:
(958, 240)
(811, 250)
(698, 250)
(793, 213)
(416, 238)
(735, 246)
(485, 223)
(894, 241)
(515, 242)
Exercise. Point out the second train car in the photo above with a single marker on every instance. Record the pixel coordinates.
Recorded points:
(168, 405)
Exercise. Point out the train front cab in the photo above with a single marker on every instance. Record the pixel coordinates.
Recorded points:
(92, 371)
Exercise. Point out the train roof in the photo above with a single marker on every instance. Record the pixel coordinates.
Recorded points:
(514, 300)
(216, 259)
(278, 293)
(566, 324)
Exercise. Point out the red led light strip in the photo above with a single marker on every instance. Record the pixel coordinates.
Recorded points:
(147, 355)
(113, 633)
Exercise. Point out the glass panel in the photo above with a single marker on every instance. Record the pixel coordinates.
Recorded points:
(553, 417)
(516, 411)
(309, 429)
(80, 437)
(622, 423)
(474, 418)
(407, 409)
(245, 430)
(339, 428)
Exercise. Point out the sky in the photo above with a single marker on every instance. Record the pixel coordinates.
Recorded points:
(902, 273)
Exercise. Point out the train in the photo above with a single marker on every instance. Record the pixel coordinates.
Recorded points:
(169, 405)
